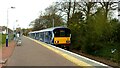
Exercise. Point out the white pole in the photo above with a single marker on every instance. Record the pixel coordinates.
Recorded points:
(7, 27)
(7, 31)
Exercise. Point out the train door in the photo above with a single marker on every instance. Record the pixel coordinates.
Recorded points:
(41, 36)
(48, 36)
(37, 36)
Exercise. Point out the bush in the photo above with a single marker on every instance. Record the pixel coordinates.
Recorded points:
(96, 35)
(3, 38)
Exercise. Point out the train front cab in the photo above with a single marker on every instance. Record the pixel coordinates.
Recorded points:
(62, 37)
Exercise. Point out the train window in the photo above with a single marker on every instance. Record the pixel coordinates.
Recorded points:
(50, 34)
(56, 33)
(62, 32)
(46, 34)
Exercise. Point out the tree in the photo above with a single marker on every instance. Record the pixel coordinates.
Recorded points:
(26, 31)
(65, 8)
(74, 6)
(74, 26)
(46, 21)
(87, 8)
(108, 6)
(58, 21)
(38, 24)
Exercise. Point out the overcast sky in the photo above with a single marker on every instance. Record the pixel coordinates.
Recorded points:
(25, 11)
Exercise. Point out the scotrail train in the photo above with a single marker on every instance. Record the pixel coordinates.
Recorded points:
(58, 36)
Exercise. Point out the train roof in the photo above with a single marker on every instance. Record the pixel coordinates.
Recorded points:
(48, 29)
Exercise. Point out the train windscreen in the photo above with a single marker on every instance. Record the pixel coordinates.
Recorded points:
(62, 32)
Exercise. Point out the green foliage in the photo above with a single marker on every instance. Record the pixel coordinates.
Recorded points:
(75, 29)
(96, 35)
(3, 38)
(106, 51)
(75, 35)
(26, 31)
(0, 40)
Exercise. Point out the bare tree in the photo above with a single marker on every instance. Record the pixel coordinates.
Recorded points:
(74, 6)
(107, 6)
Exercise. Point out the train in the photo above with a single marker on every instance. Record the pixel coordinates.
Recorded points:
(57, 36)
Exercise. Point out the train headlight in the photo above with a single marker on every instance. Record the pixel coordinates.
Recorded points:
(56, 41)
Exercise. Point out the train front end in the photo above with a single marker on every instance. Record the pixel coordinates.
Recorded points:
(62, 37)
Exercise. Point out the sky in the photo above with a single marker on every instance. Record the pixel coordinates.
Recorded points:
(24, 12)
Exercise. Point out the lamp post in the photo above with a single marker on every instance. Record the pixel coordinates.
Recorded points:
(7, 27)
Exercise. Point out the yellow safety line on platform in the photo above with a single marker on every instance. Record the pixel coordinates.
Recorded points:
(70, 58)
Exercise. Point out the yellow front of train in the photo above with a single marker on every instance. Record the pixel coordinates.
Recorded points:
(62, 37)
(62, 40)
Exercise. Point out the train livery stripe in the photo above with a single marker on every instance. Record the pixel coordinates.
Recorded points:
(68, 57)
